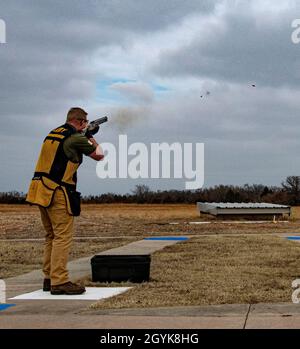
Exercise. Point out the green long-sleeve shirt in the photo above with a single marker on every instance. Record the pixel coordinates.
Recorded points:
(76, 145)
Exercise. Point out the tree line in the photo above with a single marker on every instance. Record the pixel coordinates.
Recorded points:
(288, 194)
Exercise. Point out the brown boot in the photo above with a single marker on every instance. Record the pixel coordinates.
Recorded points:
(67, 288)
(47, 285)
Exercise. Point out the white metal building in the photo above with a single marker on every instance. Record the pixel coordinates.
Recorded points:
(227, 208)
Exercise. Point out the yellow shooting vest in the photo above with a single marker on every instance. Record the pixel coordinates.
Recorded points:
(53, 169)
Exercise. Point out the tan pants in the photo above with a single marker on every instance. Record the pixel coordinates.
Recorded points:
(59, 233)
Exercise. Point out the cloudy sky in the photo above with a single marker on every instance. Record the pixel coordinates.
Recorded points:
(146, 65)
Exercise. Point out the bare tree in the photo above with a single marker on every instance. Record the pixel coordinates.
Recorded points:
(292, 187)
(141, 192)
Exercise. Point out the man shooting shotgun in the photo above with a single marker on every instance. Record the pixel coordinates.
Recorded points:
(53, 189)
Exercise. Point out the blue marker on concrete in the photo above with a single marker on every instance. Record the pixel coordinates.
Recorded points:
(166, 238)
(4, 306)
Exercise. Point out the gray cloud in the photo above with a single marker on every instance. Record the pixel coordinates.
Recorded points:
(125, 15)
(249, 136)
(45, 66)
(50, 63)
(245, 46)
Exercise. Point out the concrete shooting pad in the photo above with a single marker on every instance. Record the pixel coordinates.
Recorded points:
(145, 246)
(92, 293)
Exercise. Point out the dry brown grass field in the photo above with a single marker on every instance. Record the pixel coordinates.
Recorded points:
(220, 263)
(124, 220)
